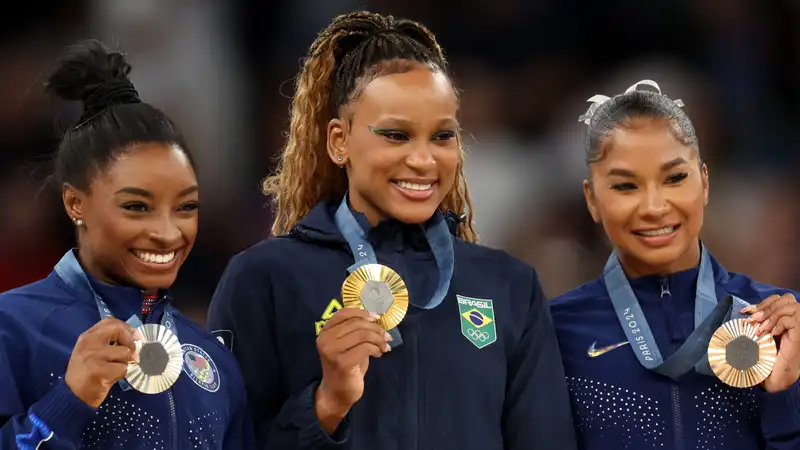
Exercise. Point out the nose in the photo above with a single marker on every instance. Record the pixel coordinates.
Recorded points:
(421, 158)
(166, 232)
(655, 205)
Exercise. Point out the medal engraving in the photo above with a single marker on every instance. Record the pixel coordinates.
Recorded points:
(377, 289)
(738, 357)
(375, 297)
(153, 359)
(160, 360)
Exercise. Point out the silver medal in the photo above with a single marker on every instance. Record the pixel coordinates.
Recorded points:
(160, 360)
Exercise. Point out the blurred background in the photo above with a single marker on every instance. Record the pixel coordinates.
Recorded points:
(223, 70)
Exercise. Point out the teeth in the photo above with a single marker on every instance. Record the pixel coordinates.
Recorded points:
(413, 186)
(158, 258)
(659, 232)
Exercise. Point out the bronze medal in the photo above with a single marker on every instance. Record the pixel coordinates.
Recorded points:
(738, 357)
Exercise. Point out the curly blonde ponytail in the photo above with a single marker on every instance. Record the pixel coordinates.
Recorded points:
(341, 54)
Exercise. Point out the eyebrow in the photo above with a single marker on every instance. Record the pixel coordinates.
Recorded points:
(664, 167)
(400, 122)
(145, 193)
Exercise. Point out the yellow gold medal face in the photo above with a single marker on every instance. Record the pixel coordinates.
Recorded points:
(378, 289)
(160, 360)
(738, 357)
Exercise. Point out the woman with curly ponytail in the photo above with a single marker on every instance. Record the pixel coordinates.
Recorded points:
(371, 318)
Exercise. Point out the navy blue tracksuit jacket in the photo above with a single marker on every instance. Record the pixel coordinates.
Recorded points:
(439, 390)
(39, 325)
(619, 404)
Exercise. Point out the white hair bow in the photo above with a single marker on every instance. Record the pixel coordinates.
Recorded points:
(598, 100)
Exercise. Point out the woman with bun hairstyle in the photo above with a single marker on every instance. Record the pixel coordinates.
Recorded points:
(94, 356)
(370, 185)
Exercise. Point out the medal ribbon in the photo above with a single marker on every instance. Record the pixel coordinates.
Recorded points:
(708, 316)
(72, 274)
(439, 239)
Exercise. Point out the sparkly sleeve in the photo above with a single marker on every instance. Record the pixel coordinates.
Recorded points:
(537, 405)
(780, 418)
(242, 307)
(58, 417)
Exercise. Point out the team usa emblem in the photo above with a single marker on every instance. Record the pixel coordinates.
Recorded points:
(199, 366)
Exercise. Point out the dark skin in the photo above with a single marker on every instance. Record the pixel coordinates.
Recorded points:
(402, 128)
(138, 223)
(400, 149)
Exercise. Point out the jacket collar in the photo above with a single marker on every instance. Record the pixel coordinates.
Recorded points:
(123, 301)
(319, 226)
(683, 279)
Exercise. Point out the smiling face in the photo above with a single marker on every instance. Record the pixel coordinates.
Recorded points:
(649, 192)
(140, 217)
(399, 143)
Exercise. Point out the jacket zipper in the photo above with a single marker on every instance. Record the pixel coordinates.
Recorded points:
(665, 287)
(415, 393)
(171, 399)
(677, 417)
(413, 354)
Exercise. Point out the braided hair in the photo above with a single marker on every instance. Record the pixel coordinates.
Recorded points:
(353, 50)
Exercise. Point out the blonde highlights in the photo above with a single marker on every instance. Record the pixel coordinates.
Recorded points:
(342, 53)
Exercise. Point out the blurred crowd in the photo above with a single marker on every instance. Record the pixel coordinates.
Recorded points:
(223, 71)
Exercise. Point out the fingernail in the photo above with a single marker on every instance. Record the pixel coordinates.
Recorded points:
(388, 348)
(387, 336)
(373, 315)
(137, 335)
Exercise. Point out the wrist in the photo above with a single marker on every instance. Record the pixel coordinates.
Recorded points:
(329, 411)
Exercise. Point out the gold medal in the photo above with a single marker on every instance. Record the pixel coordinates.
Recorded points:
(738, 357)
(160, 360)
(377, 289)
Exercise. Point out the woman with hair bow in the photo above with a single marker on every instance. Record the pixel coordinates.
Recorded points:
(666, 349)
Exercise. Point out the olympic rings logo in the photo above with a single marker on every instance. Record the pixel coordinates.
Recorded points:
(478, 334)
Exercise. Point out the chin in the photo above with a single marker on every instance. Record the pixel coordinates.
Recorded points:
(149, 282)
(414, 214)
(659, 260)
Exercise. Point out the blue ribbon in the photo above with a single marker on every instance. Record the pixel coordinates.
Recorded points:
(436, 233)
(73, 275)
(708, 316)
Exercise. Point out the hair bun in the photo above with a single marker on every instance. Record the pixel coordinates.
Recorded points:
(90, 72)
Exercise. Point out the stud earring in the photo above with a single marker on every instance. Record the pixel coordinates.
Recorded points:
(339, 158)
(78, 222)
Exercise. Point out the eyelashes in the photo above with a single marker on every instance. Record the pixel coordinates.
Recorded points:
(141, 207)
(672, 180)
(399, 136)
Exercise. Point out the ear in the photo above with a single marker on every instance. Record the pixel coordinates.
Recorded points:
(704, 180)
(74, 203)
(337, 142)
(588, 194)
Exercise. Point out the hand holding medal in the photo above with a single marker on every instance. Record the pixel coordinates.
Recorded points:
(778, 316)
(95, 364)
(345, 345)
